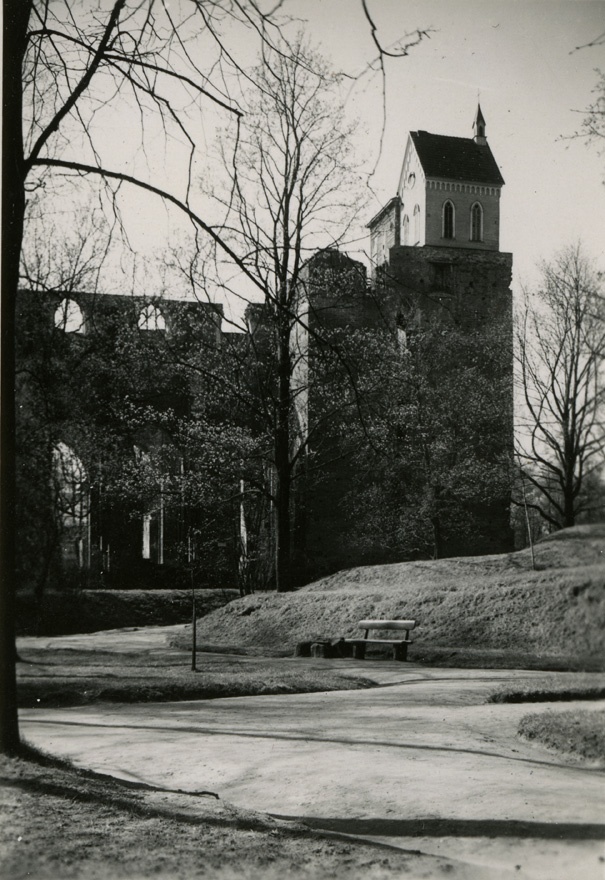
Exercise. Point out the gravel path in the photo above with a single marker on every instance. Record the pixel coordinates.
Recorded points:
(420, 763)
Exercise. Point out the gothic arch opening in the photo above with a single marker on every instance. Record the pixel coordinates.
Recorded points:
(477, 222)
(69, 317)
(71, 497)
(151, 318)
(448, 220)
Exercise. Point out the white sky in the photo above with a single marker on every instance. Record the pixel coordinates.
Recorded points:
(519, 56)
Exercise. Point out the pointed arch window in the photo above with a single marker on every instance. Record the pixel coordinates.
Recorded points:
(70, 483)
(476, 222)
(69, 317)
(448, 220)
(151, 318)
(406, 229)
(417, 224)
(71, 499)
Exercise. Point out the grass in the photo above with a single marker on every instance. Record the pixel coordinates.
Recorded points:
(574, 686)
(93, 610)
(58, 823)
(55, 677)
(473, 608)
(577, 734)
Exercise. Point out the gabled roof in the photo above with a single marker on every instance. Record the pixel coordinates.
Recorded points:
(454, 158)
(389, 205)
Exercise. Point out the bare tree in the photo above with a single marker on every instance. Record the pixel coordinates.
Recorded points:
(295, 188)
(560, 338)
(593, 124)
(592, 129)
(296, 184)
(71, 70)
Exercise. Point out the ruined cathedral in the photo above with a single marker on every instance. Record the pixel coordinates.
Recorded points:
(425, 471)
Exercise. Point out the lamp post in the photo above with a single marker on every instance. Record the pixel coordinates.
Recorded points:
(193, 609)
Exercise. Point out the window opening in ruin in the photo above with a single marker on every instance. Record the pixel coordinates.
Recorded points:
(71, 495)
(69, 317)
(71, 484)
(151, 318)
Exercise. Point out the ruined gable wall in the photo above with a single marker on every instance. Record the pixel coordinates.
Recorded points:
(385, 233)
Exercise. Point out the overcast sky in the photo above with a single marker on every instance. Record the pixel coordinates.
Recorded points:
(519, 57)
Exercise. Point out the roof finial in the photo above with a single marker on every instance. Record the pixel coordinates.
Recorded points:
(479, 126)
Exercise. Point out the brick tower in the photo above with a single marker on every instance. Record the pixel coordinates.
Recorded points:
(436, 258)
(439, 237)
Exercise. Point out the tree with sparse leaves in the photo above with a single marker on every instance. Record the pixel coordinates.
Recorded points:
(295, 187)
(593, 123)
(560, 338)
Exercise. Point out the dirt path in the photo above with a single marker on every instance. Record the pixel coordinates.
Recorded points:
(419, 763)
(127, 639)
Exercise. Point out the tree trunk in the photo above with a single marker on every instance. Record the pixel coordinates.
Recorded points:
(16, 17)
(569, 504)
(283, 581)
(435, 522)
(282, 551)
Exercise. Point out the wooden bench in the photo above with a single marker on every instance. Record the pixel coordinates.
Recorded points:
(400, 646)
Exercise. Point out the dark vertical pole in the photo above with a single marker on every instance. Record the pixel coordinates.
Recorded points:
(282, 458)
(527, 522)
(16, 18)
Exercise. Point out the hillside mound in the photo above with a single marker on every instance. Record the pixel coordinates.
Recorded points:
(555, 613)
(94, 610)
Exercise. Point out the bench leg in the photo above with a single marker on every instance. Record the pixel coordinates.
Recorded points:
(359, 651)
(400, 652)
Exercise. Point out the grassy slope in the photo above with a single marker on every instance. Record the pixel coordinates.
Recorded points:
(94, 610)
(474, 603)
(579, 734)
(554, 687)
